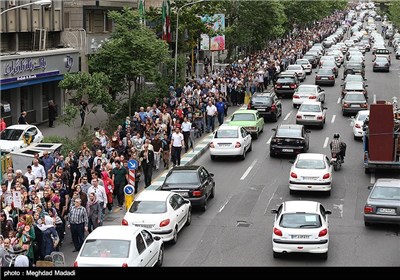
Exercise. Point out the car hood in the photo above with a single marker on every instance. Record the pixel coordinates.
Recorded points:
(179, 186)
(10, 146)
(243, 123)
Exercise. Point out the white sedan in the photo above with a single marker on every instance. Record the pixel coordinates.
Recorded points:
(311, 113)
(119, 246)
(230, 141)
(305, 63)
(311, 172)
(18, 136)
(300, 227)
(163, 213)
(298, 69)
(358, 123)
(308, 93)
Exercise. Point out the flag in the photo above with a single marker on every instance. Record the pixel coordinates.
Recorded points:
(142, 12)
(166, 21)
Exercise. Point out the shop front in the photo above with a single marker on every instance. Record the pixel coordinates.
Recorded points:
(30, 79)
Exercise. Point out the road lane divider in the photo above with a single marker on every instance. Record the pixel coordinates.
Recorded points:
(269, 140)
(223, 206)
(248, 170)
(288, 115)
(374, 99)
(333, 118)
(326, 142)
(338, 101)
(372, 178)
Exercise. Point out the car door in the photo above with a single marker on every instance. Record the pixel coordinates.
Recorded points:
(180, 210)
(260, 121)
(204, 181)
(152, 247)
(328, 163)
(143, 253)
(278, 105)
(245, 136)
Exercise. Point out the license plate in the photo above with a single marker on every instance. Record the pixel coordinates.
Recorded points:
(224, 145)
(297, 236)
(304, 97)
(261, 109)
(285, 86)
(287, 150)
(386, 211)
(309, 117)
(355, 106)
(143, 225)
(310, 178)
(324, 78)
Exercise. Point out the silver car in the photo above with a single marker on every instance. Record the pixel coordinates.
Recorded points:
(311, 113)
(383, 203)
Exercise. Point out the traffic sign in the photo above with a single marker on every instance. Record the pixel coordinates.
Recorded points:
(129, 189)
(132, 164)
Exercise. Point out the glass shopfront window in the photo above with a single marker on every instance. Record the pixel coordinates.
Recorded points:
(26, 99)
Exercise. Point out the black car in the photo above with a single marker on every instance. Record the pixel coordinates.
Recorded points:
(267, 104)
(289, 139)
(193, 182)
(286, 84)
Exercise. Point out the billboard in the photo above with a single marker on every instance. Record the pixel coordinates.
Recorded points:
(217, 23)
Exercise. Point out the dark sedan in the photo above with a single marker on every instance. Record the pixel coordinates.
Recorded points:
(286, 85)
(267, 104)
(354, 102)
(325, 77)
(355, 87)
(289, 139)
(193, 182)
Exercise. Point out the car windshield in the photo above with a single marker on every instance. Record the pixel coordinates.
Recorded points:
(148, 207)
(177, 177)
(386, 193)
(362, 117)
(288, 132)
(354, 97)
(295, 67)
(310, 164)
(300, 220)
(225, 133)
(354, 86)
(310, 108)
(11, 134)
(285, 80)
(243, 117)
(106, 248)
(324, 72)
(261, 100)
(306, 89)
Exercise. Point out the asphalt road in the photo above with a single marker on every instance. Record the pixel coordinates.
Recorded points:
(236, 229)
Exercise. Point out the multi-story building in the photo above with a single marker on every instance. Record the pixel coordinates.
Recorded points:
(33, 60)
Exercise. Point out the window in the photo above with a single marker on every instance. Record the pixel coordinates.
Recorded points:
(147, 237)
(140, 246)
(26, 99)
(106, 248)
(148, 207)
(108, 24)
(173, 202)
(66, 20)
(182, 178)
(203, 175)
(179, 201)
(300, 220)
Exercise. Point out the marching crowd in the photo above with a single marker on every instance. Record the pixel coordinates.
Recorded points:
(76, 190)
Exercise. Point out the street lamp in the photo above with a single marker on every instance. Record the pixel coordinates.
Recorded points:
(177, 32)
(39, 2)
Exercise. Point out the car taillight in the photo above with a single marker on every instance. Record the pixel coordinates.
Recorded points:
(345, 105)
(278, 85)
(124, 222)
(212, 145)
(364, 105)
(323, 232)
(75, 264)
(368, 209)
(357, 125)
(249, 106)
(295, 96)
(237, 145)
(277, 232)
(197, 193)
(293, 175)
(164, 223)
(320, 117)
(326, 176)
(298, 117)
(124, 265)
(273, 108)
(331, 78)
(293, 86)
(387, 64)
(312, 97)
(317, 77)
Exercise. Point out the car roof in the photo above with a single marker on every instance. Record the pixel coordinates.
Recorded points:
(310, 156)
(20, 126)
(265, 93)
(363, 112)
(227, 127)
(114, 232)
(188, 167)
(301, 206)
(291, 126)
(308, 85)
(245, 111)
(312, 103)
(153, 195)
(388, 182)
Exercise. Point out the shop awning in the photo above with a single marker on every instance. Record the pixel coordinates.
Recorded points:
(31, 82)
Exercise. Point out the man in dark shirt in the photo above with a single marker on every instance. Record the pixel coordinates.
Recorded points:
(147, 159)
(157, 147)
(120, 178)
(22, 119)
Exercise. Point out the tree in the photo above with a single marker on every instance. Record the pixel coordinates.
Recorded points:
(94, 87)
(394, 12)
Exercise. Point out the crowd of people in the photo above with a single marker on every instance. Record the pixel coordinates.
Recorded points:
(77, 190)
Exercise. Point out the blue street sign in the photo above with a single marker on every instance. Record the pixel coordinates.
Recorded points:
(132, 164)
(129, 189)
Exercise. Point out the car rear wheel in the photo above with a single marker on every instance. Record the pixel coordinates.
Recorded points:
(275, 118)
(204, 206)
(243, 156)
(160, 258)
(213, 157)
(324, 256)
(367, 224)
(276, 255)
(212, 194)
(189, 218)
(251, 147)
(291, 191)
(256, 135)
(174, 235)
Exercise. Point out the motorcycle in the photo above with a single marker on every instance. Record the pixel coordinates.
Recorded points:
(336, 162)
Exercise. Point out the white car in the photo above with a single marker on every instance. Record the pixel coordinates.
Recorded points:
(163, 213)
(120, 246)
(358, 123)
(305, 63)
(308, 93)
(230, 141)
(311, 172)
(12, 138)
(300, 227)
(298, 69)
(311, 113)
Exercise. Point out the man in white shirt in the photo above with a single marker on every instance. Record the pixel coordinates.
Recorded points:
(211, 113)
(101, 196)
(177, 143)
(38, 170)
(31, 177)
(186, 127)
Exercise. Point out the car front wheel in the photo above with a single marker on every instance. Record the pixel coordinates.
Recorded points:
(160, 258)
(175, 235)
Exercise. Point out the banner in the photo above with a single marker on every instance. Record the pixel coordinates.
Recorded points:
(166, 20)
(142, 12)
(17, 199)
(217, 23)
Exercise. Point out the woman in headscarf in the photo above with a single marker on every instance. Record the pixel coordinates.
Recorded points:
(50, 237)
(6, 223)
(28, 234)
(37, 244)
(109, 187)
(93, 209)
(59, 226)
(21, 261)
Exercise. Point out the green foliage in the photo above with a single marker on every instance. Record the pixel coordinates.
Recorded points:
(84, 135)
(394, 12)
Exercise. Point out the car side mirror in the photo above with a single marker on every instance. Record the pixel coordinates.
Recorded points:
(370, 187)
(308, 131)
(274, 211)
(328, 212)
(212, 174)
(342, 84)
(365, 79)
(187, 201)
(157, 238)
(366, 85)
(291, 161)
(274, 129)
(325, 108)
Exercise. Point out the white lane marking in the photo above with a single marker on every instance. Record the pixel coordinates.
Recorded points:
(372, 178)
(333, 118)
(340, 207)
(269, 201)
(338, 101)
(326, 142)
(269, 140)
(249, 169)
(374, 99)
(223, 206)
(288, 115)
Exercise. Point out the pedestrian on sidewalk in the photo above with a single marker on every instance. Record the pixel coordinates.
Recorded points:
(177, 143)
(94, 211)
(221, 110)
(186, 127)
(120, 178)
(166, 144)
(52, 113)
(3, 124)
(22, 118)
(147, 159)
(83, 110)
(78, 223)
(211, 113)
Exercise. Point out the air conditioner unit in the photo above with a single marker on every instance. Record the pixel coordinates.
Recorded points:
(12, 3)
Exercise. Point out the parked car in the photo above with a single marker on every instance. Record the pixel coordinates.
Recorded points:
(358, 123)
(193, 182)
(308, 93)
(163, 213)
(311, 172)
(18, 136)
(267, 104)
(300, 227)
(311, 113)
(230, 141)
(289, 139)
(120, 246)
(383, 202)
(251, 120)
(353, 102)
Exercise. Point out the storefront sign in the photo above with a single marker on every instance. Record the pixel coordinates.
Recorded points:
(23, 65)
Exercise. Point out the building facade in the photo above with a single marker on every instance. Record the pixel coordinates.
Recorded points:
(33, 60)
